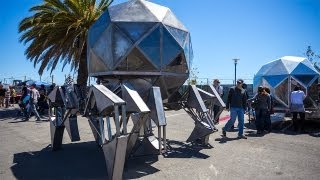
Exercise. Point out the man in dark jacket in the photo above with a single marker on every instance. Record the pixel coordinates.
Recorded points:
(237, 104)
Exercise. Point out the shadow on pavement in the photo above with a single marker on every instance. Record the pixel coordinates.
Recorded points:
(137, 167)
(312, 127)
(9, 114)
(179, 149)
(223, 139)
(75, 161)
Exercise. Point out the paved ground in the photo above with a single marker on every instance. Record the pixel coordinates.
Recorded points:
(25, 153)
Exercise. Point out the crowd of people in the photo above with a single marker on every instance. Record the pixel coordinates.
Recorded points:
(33, 99)
(7, 97)
(261, 107)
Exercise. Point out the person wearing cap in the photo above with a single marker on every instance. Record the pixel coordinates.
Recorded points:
(34, 96)
(216, 108)
(236, 104)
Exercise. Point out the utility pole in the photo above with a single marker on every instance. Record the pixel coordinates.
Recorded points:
(235, 69)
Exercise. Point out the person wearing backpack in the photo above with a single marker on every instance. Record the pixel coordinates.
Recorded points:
(34, 96)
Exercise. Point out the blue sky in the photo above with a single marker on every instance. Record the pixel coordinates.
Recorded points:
(255, 31)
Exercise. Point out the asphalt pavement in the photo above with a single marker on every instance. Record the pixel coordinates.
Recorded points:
(25, 153)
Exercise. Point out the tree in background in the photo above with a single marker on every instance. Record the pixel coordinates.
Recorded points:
(193, 76)
(57, 33)
(313, 57)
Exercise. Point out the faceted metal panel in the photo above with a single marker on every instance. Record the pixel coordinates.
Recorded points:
(56, 133)
(178, 65)
(135, 30)
(71, 125)
(161, 82)
(134, 11)
(103, 49)
(121, 45)
(157, 10)
(133, 99)
(96, 64)
(171, 20)
(120, 157)
(98, 28)
(282, 91)
(179, 35)
(218, 100)
(200, 130)
(135, 61)
(306, 79)
(173, 83)
(275, 79)
(155, 104)
(194, 100)
(150, 46)
(190, 51)
(170, 47)
(109, 151)
(186, 49)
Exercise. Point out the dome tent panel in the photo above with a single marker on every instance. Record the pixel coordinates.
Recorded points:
(281, 91)
(265, 68)
(275, 79)
(306, 80)
(310, 65)
(278, 68)
(257, 80)
(303, 69)
(291, 62)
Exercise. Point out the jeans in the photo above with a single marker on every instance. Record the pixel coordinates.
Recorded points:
(216, 110)
(234, 112)
(262, 119)
(33, 108)
(298, 124)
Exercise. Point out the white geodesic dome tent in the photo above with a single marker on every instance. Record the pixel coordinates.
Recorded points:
(283, 74)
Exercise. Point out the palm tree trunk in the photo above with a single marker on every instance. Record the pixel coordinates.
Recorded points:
(83, 69)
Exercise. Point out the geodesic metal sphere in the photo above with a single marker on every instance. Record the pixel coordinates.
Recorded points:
(140, 40)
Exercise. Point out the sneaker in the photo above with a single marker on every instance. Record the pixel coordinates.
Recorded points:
(259, 132)
(38, 119)
(224, 133)
(242, 137)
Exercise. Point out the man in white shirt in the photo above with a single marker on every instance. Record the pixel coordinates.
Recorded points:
(216, 108)
(297, 107)
(34, 96)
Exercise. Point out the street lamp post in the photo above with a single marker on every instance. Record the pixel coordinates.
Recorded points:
(235, 69)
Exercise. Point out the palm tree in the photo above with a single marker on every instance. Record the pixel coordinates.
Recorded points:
(57, 32)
